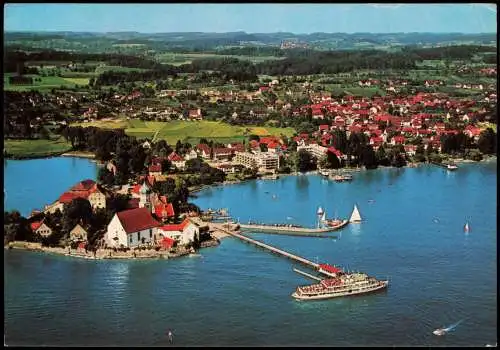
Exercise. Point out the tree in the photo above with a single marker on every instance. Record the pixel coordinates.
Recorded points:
(487, 142)
(420, 153)
(78, 209)
(305, 161)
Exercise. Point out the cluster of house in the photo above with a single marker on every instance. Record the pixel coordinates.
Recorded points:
(362, 115)
(143, 223)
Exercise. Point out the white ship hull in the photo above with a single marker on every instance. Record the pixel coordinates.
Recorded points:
(331, 295)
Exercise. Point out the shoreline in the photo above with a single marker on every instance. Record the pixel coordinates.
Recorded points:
(108, 254)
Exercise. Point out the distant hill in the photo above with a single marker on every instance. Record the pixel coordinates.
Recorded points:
(200, 41)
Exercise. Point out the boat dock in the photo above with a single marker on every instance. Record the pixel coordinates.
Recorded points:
(284, 229)
(272, 249)
(307, 275)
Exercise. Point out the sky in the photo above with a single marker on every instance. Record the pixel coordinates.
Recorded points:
(253, 18)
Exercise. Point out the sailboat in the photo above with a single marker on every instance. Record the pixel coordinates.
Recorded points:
(466, 227)
(355, 217)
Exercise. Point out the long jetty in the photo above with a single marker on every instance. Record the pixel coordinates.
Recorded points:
(272, 249)
(304, 231)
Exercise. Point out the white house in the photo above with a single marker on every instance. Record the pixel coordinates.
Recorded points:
(78, 234)
(183, 233)
(130, 228)
(41, 228)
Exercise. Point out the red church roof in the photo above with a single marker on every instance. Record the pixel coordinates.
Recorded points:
(134, 220)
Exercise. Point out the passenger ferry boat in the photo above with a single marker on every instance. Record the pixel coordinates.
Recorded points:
(341, 285)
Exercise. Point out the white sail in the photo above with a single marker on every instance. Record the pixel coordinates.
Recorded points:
(466, 227)
(355, 217)
(323, 218)
(320, 211)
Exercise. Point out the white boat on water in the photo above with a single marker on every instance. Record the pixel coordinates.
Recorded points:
(355, 216)
(451, 167)
(466, 227)
(439, 331)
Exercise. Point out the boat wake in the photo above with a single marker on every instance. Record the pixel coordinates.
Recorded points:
(453, 326)
(289, 218)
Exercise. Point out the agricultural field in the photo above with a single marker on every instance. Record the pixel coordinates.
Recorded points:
(45, 83)
(35, 148)
(186, 58)
(187, 130)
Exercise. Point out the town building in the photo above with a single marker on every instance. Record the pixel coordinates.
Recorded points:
(131, 228)
(78, 234)
(39, 227)
(261, 160)
(182, 233)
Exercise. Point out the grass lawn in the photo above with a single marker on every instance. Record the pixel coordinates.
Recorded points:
(46, 83)
(35, 148)
(189, 131)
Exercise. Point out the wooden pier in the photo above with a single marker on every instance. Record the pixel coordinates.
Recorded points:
(272, 249)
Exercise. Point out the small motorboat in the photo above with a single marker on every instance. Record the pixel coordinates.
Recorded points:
(440, 331)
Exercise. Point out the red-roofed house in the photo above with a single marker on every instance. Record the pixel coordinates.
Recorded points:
(155, 170)
(398, 140)
(204, 150)
(236, 147)
(131, 228)
(182, 233)
(324, 127)
(41, 228)
(164, 211)
(177, 160)
(195, 114)
(376, 141)
(222, 153)
(472, 131)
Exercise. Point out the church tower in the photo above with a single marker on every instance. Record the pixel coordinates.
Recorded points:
(145, 194)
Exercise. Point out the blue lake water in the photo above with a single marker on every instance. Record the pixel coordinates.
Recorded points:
(31, 184)
(237, 294)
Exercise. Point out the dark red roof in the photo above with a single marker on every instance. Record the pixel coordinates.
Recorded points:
(174, 157)
(135, 220)
(155, 168)
(133, 203)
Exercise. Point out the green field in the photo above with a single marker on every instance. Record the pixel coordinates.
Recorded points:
(36, 148)
(185, 58)
(46, 83)
(189, 131)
